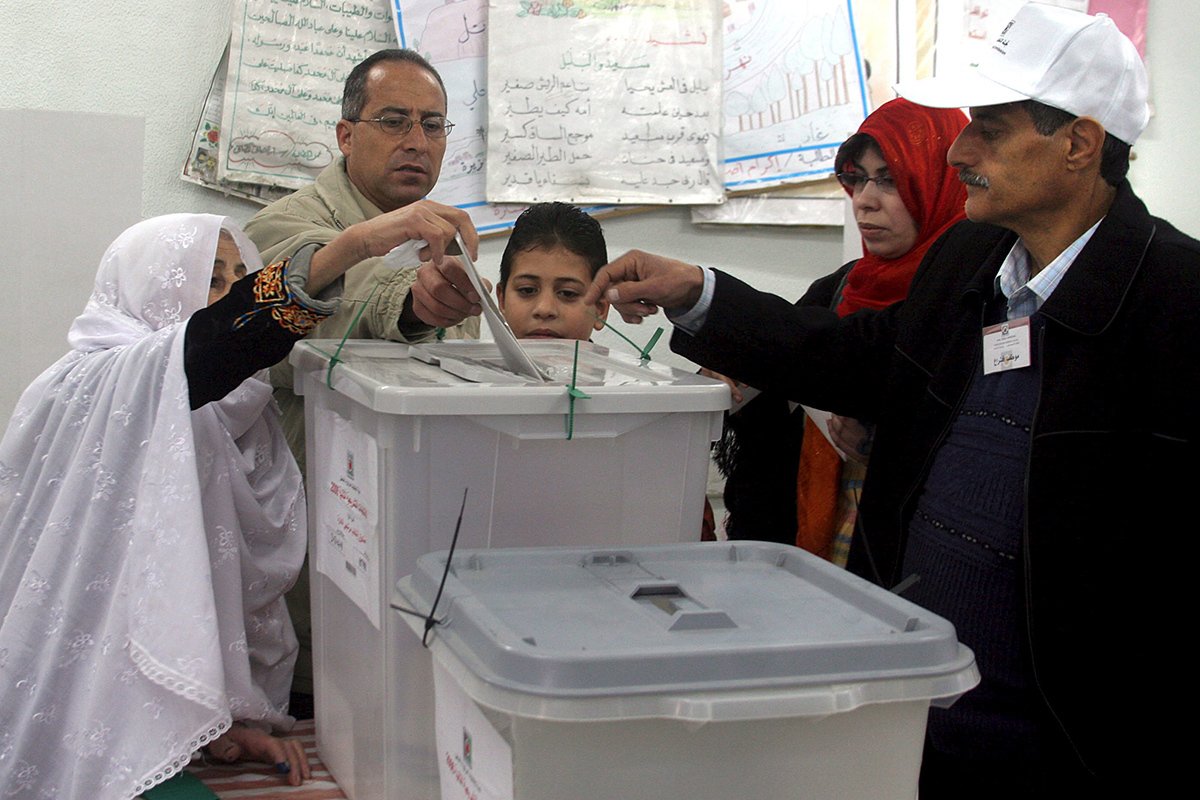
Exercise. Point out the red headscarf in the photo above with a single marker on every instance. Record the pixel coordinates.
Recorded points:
(913, 141)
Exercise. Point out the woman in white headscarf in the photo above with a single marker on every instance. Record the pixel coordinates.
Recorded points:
(151, 518)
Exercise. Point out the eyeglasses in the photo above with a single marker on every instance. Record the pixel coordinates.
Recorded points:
(856, 182)
(400, 125)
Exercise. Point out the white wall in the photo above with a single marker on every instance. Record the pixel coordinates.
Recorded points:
(1166, 153)
(58, 215)
(142, 58)
(153, 61)
(108, 93)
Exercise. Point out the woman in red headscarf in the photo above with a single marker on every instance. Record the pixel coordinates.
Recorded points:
(784, 482)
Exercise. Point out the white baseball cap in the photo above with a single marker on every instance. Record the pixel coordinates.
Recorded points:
(1065, 59)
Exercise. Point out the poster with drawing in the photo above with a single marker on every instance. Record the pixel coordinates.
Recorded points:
(810, 196)
(288, 61)
(200, 167)
(794, 89)
(592, 101)
(290, 57)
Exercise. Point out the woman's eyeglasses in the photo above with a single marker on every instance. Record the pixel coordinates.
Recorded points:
(856, 182)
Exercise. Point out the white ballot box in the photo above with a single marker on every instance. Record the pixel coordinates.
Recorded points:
(607, 451)
(675, 672)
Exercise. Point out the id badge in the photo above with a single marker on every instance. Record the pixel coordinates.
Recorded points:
(1006, 346)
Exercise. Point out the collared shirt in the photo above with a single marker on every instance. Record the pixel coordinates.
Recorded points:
(692, 320)
(1026, 294)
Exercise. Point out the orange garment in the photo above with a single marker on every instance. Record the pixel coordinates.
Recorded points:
(817, 482)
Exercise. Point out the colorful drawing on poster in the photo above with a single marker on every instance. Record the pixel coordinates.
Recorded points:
(794, 89)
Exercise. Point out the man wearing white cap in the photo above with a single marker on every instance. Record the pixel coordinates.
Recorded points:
(1037, 403)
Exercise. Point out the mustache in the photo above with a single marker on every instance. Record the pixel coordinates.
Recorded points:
(972, 179)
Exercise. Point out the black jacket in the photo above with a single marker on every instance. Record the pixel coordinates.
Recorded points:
(1112, 458)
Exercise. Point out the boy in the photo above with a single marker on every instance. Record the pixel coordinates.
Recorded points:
(553, 254)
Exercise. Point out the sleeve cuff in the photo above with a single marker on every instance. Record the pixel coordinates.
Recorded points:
(692, 320)
(298, 268)
(274, 294)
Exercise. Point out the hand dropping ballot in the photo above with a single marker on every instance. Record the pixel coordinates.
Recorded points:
(407, 255)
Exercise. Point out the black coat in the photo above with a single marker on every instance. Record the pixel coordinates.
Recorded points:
(1112, 454)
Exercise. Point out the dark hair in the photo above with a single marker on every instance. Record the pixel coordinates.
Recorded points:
(354, 95)
(1114, 154)
(852, 149)
(545, 226)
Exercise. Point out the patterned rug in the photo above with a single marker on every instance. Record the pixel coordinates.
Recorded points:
(262, 782)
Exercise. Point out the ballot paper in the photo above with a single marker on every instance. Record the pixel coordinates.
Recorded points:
(404, 255)
(821, 420)
(515, 357)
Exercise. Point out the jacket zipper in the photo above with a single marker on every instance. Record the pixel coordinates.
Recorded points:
(1027, 577)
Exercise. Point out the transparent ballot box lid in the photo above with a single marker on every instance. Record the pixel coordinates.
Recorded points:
(469, 377)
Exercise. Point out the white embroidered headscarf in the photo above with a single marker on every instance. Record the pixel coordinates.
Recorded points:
(144, 547)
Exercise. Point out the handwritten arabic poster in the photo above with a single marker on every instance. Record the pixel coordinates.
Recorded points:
(794, 89)
(347, 519)
(452, 35)
(201, 165)
(288, 62)
(593, 101)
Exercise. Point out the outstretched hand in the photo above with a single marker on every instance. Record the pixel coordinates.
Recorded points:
(637, 284)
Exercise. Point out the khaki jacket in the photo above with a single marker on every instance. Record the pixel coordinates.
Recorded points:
(319, 213)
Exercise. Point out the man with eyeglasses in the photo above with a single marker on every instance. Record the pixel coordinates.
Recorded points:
(1037, 400)
(392, 136)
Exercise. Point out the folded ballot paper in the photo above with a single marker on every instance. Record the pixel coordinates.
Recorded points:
(515, 357)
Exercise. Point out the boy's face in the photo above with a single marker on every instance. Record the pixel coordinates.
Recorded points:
(544, 293)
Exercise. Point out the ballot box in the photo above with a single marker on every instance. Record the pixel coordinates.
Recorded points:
(675, 672)
(608, 450)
